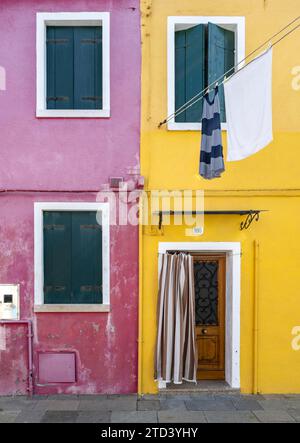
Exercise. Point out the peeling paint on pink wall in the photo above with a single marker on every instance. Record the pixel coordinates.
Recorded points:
(68, 154)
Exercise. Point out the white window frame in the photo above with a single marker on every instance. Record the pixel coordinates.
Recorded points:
(39, 305)
(71, 19)
(184, 22)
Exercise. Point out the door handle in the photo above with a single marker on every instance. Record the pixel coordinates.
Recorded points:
(204, 331)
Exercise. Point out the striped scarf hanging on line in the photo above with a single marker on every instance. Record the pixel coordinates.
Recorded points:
(211, 156)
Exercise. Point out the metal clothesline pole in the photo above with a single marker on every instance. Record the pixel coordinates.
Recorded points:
(202, 93)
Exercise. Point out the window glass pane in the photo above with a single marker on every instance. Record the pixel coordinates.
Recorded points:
(206, 292)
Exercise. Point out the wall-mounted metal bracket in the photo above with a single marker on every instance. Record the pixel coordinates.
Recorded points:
(251, 215)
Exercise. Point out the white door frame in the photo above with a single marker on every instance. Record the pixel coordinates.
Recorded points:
(233, 288)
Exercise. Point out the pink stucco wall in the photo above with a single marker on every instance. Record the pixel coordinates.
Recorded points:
(66, 155)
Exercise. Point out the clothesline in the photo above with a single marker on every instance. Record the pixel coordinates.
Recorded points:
(223, 78)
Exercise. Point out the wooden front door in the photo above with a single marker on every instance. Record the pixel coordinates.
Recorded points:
(209, 272)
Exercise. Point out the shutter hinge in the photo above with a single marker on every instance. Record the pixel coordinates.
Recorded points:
(57, 99)
(91, 40)
(56, 288)
(57, 40)
(90, 227)
(54, 227)
(90, 288)
(94, 98)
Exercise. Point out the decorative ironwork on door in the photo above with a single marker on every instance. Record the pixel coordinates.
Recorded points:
(206, 292)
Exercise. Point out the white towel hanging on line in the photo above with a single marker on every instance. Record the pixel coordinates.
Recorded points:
(248, 100)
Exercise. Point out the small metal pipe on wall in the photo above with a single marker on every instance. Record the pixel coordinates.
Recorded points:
(29, 347)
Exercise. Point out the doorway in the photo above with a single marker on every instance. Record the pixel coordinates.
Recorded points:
(210, 299)
(232, 253)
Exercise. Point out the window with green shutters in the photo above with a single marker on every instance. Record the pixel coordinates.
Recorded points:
(72, 257)
(203, 53)
(74, 67)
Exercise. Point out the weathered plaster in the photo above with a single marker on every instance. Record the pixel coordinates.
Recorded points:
(68, 154)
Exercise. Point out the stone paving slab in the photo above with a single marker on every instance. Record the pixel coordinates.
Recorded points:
(246, 404)
(148, 405)
(8, 416)
(60, 397)
(295, 413)
(60, 417)
(174, 408)
(274, 404)
(57, 405)
(93, 417)
(172, 403)
(30, 416)
(230, 417)
(134, 417)
(116, 404)
(179, 416)
(274, 416)
(92, 397)
(130, 397)
(16, 404)
(210, 405)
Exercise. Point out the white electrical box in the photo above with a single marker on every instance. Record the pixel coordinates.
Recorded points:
(9, 302)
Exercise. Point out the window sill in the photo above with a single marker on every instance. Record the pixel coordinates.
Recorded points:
(172, 126)
(73, 113)
(71, 308)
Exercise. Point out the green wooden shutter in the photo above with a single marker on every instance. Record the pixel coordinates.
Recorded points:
(88, 67)
(180, 74)
(60, 67)
(189, 71)
(57, 257)
(74, 67)
(86, 258)
(221, 57)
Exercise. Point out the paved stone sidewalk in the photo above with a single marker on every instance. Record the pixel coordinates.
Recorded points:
(164, 408)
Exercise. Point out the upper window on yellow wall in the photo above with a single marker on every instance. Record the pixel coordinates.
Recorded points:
(200, 51)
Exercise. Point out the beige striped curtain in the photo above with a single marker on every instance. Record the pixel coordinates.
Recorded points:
(176, 351)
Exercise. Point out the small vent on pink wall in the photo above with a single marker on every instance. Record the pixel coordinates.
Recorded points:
(57, 367)
(115, 182)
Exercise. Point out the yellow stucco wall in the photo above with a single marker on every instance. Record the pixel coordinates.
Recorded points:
(268, 180)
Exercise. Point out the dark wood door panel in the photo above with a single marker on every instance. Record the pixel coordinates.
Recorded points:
(210, 282)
